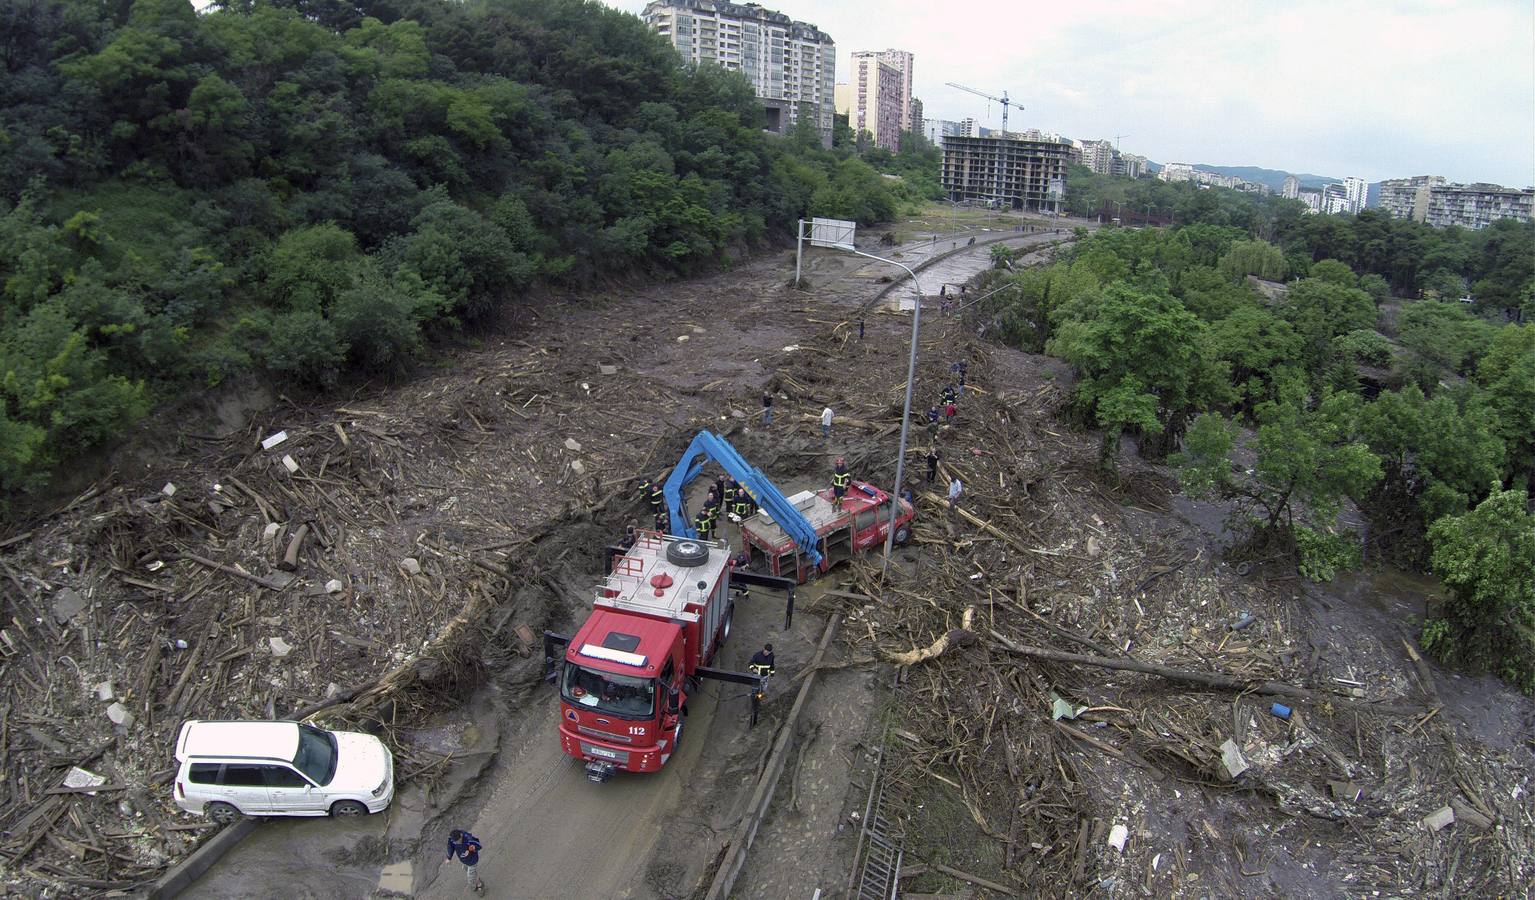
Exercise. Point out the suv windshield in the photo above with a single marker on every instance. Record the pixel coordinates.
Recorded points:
(621, 695)
(316, 756)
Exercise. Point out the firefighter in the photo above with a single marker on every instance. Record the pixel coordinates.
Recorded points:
(742, 506)
(702, 525)
(949, 394)
(762, 661)
(728, 499)
(663, 522)
(657, 496)
(839, 482)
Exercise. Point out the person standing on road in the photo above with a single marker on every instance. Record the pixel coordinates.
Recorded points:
(949, 413)
(767, 408)
(955, 490)
(826, 422)
(932, 463)
(467, 848)
(762, 661)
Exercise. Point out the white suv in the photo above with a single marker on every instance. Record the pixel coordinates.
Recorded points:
(229, 769)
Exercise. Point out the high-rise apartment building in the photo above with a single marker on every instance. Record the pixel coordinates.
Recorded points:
(1356, 190)
(1291, 187)
(882, 102)
(1335, 199)
(936, 130)
(791, 65)
(1014, 173)
(1476, 206)
(1129, 165)
(1176, 172)
(1407, 198)
(915, 122)
(1312, 197)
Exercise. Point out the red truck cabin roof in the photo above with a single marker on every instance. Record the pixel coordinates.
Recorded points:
(816, 506)
(623, 644)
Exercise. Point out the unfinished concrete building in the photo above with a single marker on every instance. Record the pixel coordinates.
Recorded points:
(1006, 172)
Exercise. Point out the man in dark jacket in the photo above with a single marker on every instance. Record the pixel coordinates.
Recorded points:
(467, 848)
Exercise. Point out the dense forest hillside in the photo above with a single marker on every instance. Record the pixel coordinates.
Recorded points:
(306, 187)
(1295, 403)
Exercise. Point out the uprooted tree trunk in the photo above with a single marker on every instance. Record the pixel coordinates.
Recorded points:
(954, 638)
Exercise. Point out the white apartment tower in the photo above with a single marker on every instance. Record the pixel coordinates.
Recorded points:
(791, 65)
(1291, 188)
(1356, 190)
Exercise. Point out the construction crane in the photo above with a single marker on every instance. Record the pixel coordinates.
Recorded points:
(1116, 139)
(1002, 100)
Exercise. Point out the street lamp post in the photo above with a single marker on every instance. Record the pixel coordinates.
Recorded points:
(911, 379)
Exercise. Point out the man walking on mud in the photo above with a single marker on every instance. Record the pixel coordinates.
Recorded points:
(467, 848)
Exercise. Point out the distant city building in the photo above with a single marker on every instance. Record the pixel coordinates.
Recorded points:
(1335, 199)
(842, 100)
(1017, 174)
(1476, 206)
(936, 129)
(881, 84)
(915, 122)
(969, 128)
(1098, 156)
(1312, 197)
(1291, 187)
(1407, 198)
(1176, 172)
(792, 66)
(1129, 165)
(1356, 190)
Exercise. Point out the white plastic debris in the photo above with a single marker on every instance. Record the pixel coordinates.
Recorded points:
(169, 490)
(120, 715)
(79, 778)
(411, 565)
(105, 691)
(274, 440)
(682, 339)
(290, 463)
(573, 445)
(269, 533)
(333, 586)
(181, 644)
(578, 467)
(1231, 758)
(1117, 837)
(280, 647)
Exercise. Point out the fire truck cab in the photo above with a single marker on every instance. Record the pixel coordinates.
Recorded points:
(662, 613)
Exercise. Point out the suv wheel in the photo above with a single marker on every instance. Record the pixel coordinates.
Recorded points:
(347, 809)
(222, 813)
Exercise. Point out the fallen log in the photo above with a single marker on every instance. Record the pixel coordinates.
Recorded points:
(1207, 679)
(953, 638)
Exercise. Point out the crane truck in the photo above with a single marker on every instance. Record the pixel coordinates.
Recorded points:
(663, 611)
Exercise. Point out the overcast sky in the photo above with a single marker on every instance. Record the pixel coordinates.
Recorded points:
(1370, 88)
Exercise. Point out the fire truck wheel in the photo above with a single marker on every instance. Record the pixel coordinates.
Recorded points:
(687, 553)
(902, 536)
(730, 613)
(677, 737)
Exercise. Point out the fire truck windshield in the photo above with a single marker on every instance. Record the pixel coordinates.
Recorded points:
(620, 695)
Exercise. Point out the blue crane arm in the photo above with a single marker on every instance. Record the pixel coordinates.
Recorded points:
(708, 445)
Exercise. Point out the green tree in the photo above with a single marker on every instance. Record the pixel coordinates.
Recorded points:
(1258, 258)
(1486, 559)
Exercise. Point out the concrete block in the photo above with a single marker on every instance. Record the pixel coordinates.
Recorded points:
(280, 647)
(608, 370)
(169, 490)
(290, 464)
(1440, 818)
(411, 565)
(67, 604)
(105, 691)
(573, 445)
(578, 467)
(333, 586)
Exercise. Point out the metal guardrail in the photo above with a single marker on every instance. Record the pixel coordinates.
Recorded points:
(878, 861)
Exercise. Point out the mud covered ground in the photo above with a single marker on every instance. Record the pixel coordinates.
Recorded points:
(452, 517)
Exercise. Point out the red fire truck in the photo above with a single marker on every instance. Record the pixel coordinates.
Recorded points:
(861, 524)
(658, 618)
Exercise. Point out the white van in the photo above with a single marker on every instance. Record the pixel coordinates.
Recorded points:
(230, 769)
